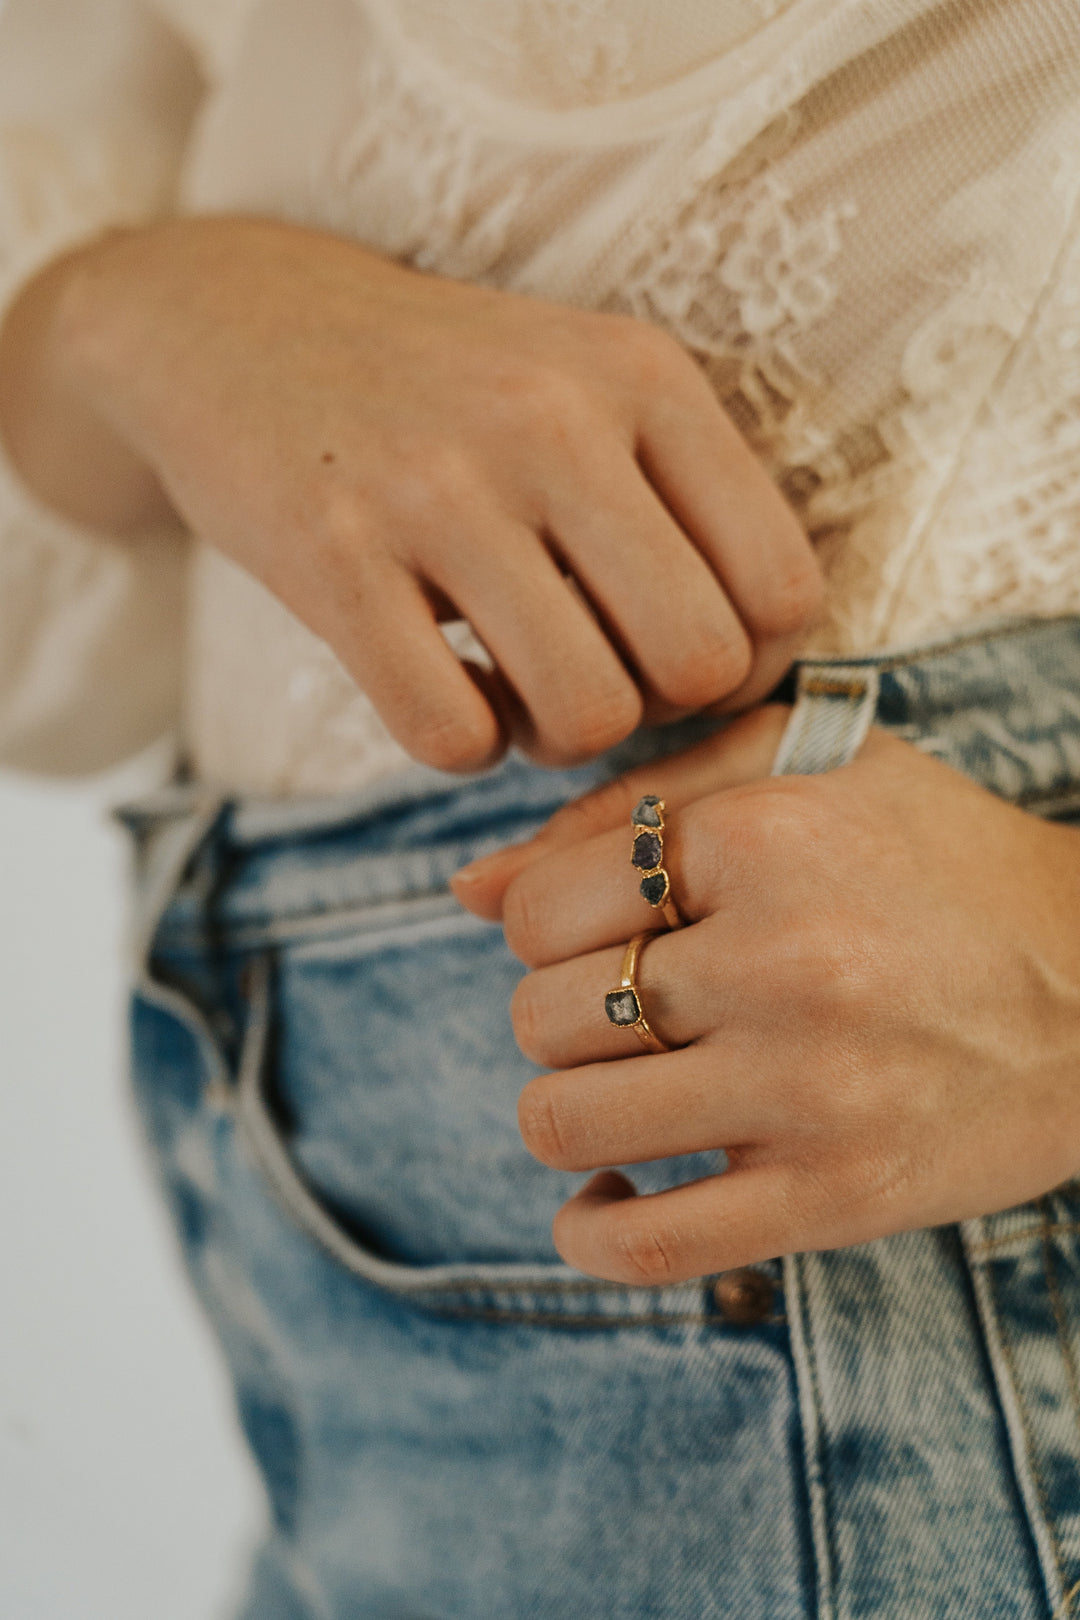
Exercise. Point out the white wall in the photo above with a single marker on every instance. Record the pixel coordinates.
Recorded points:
(124, 1492)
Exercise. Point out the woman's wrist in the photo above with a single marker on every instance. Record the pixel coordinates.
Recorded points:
(58, 438)
(118, 340)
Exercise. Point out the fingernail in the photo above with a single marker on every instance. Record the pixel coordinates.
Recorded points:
(477, 871)
(608, 1184)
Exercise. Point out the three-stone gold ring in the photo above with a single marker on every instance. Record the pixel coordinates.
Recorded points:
(647, 855)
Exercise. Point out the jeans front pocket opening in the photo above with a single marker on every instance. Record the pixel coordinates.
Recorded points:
(552, 1293)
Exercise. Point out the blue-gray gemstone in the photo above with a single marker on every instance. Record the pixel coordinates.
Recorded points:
(645, 812)
(655, 888)
(622, 1007)
(648, 851)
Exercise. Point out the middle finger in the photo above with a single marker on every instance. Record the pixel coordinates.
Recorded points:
(564, 905)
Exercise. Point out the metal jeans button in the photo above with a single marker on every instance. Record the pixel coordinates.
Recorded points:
(743, 1296)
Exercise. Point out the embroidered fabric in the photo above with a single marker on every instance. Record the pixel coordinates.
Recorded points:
(561, 54)
(587, 40)
(416, 161)
(859, 215)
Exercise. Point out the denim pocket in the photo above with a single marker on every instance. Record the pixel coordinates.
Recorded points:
(376, 1094)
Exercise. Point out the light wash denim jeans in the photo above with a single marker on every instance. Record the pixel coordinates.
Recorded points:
(451, 1424)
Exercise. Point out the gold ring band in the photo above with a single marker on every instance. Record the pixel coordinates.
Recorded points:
(647, 856)
(623, 1004)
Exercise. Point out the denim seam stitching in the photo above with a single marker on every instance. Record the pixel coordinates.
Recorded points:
(1060, 1322)
(557, 1319)
(816, 1454)
(1065, 797)
(1029, 1440)
(542, 1286)
(824, 1460)
(938, 649)
(1049, 1229)
(1072, 1381)
(259, 932)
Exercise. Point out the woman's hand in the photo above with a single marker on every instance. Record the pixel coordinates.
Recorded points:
(877, 1004)
(384, 449)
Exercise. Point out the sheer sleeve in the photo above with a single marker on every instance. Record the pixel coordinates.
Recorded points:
(96, 103)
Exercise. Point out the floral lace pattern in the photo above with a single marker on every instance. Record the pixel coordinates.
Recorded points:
(739, 278)
(409, 162)
(588, 39)
(1010, 517)
(778, 269)
(854, 216)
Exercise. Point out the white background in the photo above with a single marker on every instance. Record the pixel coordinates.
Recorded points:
(124, 1491)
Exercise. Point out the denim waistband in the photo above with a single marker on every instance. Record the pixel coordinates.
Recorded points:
(1001, 704)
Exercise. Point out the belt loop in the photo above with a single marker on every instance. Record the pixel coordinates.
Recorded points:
(834, 709)
(171, 844)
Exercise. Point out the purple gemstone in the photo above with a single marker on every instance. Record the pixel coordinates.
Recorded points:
(648, 851)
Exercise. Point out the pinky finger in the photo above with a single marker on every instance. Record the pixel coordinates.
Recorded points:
(437, 708)
(735, 1219)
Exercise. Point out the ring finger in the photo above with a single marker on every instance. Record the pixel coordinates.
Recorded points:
(559, 1016)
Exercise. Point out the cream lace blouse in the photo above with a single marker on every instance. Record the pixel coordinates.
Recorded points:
(861, 216)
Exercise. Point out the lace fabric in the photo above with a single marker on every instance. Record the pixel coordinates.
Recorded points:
(554, 55)
(859, 216)
(859, 279)
(881, 380)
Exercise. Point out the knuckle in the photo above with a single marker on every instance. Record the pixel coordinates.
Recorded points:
(794, 599)
(867, 1193)
(522, 919)
(838, 969)
(341, 531)
(541, 1127)
(540, 395)
(589, 726)
(706, 668)
(426, 479)
(643, 1256)
(652, 352)
(788, 816)
(529, 1022)
(830, 977)
(606, 807)
(452, 742)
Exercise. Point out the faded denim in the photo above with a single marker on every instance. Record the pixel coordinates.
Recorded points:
(451, 1424)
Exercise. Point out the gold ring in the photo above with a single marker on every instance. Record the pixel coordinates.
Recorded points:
(623, 1004)
(647, 854)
